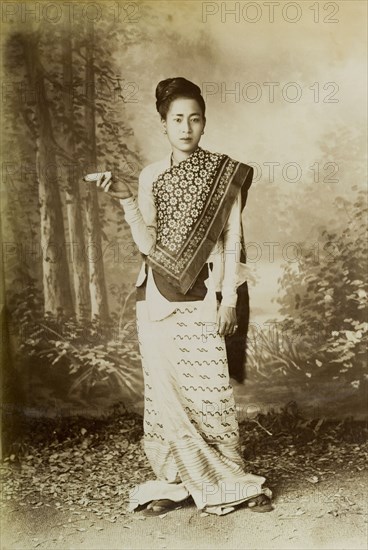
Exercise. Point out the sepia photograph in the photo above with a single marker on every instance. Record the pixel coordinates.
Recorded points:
(184, 270)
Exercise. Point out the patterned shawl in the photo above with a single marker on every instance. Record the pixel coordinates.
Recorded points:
(193, 201)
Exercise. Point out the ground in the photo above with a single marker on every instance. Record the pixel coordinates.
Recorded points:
(306, 515)
(65, 485)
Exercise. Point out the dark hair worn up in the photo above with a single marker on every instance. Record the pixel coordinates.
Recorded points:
(172, 88)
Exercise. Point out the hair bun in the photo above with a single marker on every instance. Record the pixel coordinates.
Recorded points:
(176, 86)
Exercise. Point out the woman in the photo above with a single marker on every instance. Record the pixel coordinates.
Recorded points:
(187, 225)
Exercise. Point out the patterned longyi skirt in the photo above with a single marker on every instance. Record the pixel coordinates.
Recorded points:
(191, 435)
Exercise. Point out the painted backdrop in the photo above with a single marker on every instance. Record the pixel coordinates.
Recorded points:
(285, 90)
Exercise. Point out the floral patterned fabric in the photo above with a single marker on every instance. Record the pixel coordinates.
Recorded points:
(193, 200)
(180, 195)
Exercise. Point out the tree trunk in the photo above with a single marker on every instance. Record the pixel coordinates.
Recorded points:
(82, 302)
(97, 284)
(56, 284)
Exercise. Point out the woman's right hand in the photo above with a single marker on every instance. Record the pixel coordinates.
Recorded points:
(110, 184)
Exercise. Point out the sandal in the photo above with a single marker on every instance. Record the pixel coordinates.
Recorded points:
(159, 507)
(260, 503)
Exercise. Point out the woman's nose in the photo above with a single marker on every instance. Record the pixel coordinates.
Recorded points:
(186, 127)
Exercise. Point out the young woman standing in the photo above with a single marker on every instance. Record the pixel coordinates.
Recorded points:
(187, 225)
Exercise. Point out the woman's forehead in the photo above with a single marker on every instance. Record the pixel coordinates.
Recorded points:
(184, 105)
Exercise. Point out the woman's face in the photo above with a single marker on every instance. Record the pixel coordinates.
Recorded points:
(184, 124)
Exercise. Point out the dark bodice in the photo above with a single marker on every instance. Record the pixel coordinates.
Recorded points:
(197, 292)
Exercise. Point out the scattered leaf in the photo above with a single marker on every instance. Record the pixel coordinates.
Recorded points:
(312, 479)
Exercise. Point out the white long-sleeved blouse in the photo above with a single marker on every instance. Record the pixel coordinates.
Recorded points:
(228, 271)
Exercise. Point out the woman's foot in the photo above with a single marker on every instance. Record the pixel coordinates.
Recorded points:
(260, 503)
(159, 507)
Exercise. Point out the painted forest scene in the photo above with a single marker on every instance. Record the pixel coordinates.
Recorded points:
(78, 97)
(70, 261)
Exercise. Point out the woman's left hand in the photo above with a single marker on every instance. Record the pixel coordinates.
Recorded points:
(226, 321)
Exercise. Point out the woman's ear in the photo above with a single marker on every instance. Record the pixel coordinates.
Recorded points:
(163, 122)
(204, 124)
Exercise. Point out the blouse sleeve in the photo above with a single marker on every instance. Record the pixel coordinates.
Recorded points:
(141, 216)
(232, 247)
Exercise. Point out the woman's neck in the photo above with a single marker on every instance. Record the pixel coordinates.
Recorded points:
(178, 156)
